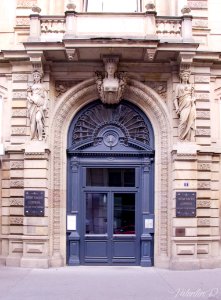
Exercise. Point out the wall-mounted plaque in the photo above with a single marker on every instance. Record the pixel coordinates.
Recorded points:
(186, 204)
(34, 203)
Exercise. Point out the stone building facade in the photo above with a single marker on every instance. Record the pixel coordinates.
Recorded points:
(111, 120)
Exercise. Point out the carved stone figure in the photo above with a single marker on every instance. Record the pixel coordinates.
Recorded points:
(37, 106)
(111, 86)
(185, 107)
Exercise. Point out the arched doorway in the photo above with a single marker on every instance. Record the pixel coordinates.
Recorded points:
(110, 186)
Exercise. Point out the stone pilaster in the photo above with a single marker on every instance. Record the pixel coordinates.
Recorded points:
(36, 229)
(199, 11)
(14, 208)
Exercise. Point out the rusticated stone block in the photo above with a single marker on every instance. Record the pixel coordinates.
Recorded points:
(185, 249)
(16, 220)
(17, 183)
(16, 202)
(203, 222)
(204, 185)
(203, 166)
(202, 248)
(197, 4)
(203, 203)
(17, 164)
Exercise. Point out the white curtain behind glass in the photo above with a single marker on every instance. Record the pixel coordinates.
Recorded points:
(112, 6)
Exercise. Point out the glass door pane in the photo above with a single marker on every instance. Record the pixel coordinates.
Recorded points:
(96, 213)
(124, 213)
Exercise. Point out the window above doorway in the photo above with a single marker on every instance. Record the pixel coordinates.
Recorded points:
(113, 6)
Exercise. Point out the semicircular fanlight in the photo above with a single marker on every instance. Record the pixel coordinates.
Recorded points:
(122, 116)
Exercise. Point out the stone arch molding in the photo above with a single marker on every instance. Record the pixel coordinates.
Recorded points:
(67, 107)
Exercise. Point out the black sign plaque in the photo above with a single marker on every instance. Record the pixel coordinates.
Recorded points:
(34, 203)
(186, 204)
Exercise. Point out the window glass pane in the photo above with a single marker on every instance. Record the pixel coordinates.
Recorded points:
(95, 5)
(124, 214)
(96, 213)
(110, 177)
(112, 6)
(95, 177)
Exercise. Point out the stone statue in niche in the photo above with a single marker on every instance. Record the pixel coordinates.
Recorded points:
(111, 85)
(37, 106)
(184, 103)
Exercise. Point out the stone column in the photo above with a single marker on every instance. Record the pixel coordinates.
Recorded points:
(151, 21)
(70, 16)
(186, 29)
(35, 25)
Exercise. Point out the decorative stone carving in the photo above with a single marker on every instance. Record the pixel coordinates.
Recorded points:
(17, 164)
(16, 220)
(203, 114)
(19, 130)
(150, 6)
(159, 87)
(37, 107)
(111, 86)
(200, 23)
(203, 132)
(19, 77)
(52, 25)
(202, 79)
(36, 155)
(203, 222)
(203, 203)
(16, 202)
(186, 10)
(150, 53)
(197, 4)
(203, 185)
(17, 183)
(185, 107)
(22, 21)
(62, 86)
(71, 5)
(20, 95)
(202, 96)
(36, 9)
(204, 166)
(19, 113)
(26, 3)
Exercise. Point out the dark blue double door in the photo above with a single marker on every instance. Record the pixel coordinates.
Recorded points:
(110, 226)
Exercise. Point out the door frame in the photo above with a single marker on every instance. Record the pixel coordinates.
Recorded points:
(131, 147)
(144, 190)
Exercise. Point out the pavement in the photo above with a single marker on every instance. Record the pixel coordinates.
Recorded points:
(108, 283)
